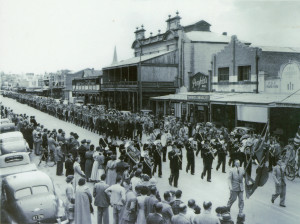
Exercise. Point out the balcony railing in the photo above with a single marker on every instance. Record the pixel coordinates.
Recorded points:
(134, 84)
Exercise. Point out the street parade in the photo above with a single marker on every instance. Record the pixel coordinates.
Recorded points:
(130, 153)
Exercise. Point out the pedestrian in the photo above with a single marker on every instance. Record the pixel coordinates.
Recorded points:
(156, 217)
(280, 183)
(206, 216)
(150, 201)
(167, 211)
(141, 218)
(37, 138)
(111, 171)
(177, 202)
(236, 185)
(101, 200)
(83, 201)
(59, 160)
(69, 165)
(89, 160)
(130, 208)
(78, 173)
(70, 205)
(181, 217)
(117, 199)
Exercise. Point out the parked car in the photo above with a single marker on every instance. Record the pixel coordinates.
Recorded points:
(4, 121)
(146, 112)
(7, 127)
(30, 197)
(12, 142)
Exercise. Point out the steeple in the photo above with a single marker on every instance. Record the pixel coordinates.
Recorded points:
(115, 59)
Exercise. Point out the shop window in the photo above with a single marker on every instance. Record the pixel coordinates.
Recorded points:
(223, 74)
(244, 73)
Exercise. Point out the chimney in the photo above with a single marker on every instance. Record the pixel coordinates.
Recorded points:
(115, 58)
(224, 33)
(173, 23)
(140, 33)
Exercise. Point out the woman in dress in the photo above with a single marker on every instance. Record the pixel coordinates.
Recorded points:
(141, 219)
(94, 175)
(83, 201)
(111, 171)
(89, 162)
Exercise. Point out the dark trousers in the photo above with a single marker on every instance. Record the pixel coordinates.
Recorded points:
(157, 163)
(190, 164)
(164, 152)
(174, 177)
(207, 168)
(221, 161)
(102, 215)
(59, 167)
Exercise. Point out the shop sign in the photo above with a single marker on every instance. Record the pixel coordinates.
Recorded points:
(201, 98)
(199, 83)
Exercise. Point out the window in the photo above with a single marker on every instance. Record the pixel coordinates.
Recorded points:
(223, 74)
(39, 189)
(22, 193)
(244, 73)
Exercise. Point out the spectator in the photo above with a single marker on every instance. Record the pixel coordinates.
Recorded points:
(150, 201)
(206, 216)
(175, 204)
(130, 209)
(136, 179)
(83, 200)
(101, 200)
(181, 217)
(117, 199)
(156, 218)
(141, 219)
(167, 211)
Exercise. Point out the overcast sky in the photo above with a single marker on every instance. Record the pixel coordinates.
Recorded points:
(49, 35)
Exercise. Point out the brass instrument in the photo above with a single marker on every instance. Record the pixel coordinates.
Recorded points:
(133, 153)
(209, 148)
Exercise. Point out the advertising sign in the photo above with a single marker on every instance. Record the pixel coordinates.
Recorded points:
(199, 83)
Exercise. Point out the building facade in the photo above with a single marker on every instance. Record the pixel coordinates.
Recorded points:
(162, 64)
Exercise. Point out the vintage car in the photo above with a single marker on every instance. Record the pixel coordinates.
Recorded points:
(7, 127)
(12, 142)
(4, 121)
(30, 197)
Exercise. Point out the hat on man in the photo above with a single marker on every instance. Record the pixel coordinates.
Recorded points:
(83, 141)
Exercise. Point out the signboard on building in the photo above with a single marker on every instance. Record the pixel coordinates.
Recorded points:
(199, 83)
(198, 98)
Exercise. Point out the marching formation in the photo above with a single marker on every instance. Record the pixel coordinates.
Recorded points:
(130, 152)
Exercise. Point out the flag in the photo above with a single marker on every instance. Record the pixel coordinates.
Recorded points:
(262, 173)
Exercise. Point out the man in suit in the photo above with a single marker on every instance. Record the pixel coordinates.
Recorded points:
(236, 185)
(177, 202)
(156, 218)
(167, 211)
(101, 200)
(175, 157)
(150, 201)
(206, 217)
(181, 217)
(280, 183)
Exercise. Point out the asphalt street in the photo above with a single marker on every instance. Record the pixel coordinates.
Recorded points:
(258, 209)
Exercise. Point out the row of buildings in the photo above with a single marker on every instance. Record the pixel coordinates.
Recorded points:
(199, 75)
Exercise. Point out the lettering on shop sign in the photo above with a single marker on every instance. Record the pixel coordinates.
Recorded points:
(199, 82)
(202, 98)
(272, 85)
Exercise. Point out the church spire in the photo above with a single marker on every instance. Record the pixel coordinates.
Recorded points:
(115, 59)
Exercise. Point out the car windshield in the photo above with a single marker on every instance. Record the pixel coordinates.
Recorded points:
(35, 190)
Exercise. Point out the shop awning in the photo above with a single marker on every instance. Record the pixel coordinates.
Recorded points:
(266, 99)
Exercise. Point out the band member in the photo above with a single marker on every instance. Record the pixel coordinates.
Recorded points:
(175, 157)
(146, 160)
(221, 151)
(208, 157)
(156, 155)
(190, 156)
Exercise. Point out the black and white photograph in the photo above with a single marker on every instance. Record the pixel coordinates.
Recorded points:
(150, 111)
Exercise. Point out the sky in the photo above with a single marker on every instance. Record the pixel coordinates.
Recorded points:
(49, 35)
